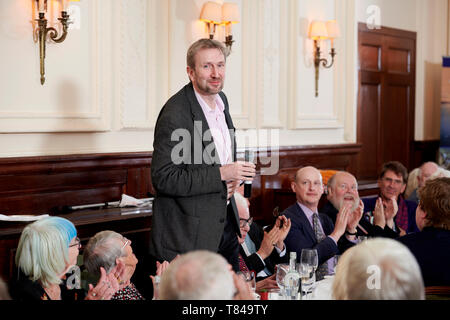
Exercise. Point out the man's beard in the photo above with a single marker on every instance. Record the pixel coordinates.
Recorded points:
(209, 90)
(355, 202)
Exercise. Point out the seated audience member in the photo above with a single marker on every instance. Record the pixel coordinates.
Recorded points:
(260, 251)
(378, 269)
(106, 250)
(426, 171)
(48, 249)
(313, 230)
(343, 188)
(202, 275)
(4, 295)
(431, 246)
(392, 183)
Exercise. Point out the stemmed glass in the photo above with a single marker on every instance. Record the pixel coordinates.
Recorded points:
(282, 270)
(309, 261)
(250, 278)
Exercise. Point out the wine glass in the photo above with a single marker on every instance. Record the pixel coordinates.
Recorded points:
(309, 261)
(250, 278)
(282, 270)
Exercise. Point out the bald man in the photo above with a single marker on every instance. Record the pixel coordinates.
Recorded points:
(311, 229)
(343, 189)
(426, 171)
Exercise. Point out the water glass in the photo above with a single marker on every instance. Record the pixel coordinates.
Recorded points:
(250, 278)
(307, 277)
(281, 271)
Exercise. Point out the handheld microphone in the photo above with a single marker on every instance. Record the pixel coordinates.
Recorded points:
(249, 157)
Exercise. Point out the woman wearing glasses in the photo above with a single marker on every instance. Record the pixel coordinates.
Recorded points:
(48, 249)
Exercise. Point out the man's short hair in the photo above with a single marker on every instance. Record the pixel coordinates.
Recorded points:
(102, 250)
(396, 167)
(378, 269)
(435, 201)
(43, 250)
(203, 44)
(197, 275)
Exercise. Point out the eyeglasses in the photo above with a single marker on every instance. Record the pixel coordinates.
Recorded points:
(125, 244)
(76, 244)
(243, 222)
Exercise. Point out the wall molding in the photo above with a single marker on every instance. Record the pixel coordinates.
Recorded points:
(98, 115)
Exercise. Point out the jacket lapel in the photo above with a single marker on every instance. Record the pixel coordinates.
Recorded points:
(304, 222)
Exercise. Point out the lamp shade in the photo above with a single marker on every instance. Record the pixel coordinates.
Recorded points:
(230, 13)
(333, 29)
(211, 12)
(318, 30)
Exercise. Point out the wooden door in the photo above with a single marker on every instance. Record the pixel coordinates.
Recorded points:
(386, 98)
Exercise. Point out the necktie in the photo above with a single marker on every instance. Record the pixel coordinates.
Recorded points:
(242, 264)
(322, 270)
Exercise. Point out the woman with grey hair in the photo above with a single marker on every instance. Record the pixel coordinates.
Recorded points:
(47, 251)
(108, 249)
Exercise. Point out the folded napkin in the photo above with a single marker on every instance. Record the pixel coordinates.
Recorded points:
(128, 201)
(25, 218)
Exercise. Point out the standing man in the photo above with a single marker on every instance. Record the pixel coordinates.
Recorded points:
(194, 171)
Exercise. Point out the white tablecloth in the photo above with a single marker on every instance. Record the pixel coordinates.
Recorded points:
(322, 291)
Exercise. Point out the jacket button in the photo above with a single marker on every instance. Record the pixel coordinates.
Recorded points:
(222, 220)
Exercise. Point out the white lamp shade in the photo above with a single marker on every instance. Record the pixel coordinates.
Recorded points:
(318, 30)
(333, 29)
(211, 12)
(230, 12)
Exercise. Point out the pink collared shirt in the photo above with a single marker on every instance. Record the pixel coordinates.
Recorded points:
(218, 127)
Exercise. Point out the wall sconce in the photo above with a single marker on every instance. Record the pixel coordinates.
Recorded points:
(212, 15)
(215, 14)
(230, 16)
(320, 30)
(43, 31)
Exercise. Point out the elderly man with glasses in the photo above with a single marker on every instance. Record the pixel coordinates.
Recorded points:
(259, 250)
(109, 249)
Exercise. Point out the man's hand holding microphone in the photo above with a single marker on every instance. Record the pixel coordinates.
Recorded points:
(238, 171)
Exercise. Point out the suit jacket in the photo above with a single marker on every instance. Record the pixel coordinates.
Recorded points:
(190, 206)
(253, 261)
(431, 250)
(301, 236)
(369, 205)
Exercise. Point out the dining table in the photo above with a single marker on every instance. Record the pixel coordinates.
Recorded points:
(322, 291)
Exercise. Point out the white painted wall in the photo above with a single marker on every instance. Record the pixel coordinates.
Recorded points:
(429, 18)
(107, 82)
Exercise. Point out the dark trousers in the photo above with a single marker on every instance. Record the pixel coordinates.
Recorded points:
(229, 245)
